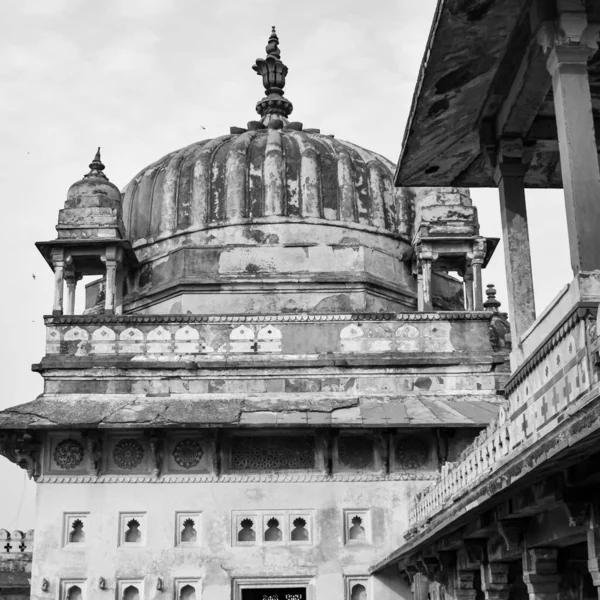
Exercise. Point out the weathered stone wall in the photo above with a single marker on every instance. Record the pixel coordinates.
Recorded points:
(217, 560)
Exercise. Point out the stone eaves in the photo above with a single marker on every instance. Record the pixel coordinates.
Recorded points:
(329, 410)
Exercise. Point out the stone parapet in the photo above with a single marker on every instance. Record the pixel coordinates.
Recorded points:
(194, 338)
(554, 383)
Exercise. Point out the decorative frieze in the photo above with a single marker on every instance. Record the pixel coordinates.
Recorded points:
(194, 337)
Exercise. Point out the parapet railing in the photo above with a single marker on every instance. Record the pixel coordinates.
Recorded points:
(17, 542)
(553, 380)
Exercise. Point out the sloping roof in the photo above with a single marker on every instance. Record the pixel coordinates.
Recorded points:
(339, 410)
(483, 76)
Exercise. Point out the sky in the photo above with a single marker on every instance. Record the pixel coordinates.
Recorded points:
(141, 78)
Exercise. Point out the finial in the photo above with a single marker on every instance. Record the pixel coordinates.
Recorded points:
(273, 44)
(273, 71)
(96, 166)
(491, 303)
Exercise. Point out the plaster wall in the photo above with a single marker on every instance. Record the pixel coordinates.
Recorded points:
(215, 561)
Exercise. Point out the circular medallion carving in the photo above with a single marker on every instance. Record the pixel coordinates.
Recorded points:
(68, 454)
(128, 453)
(355, 452)
(187, 453)
(411, 452)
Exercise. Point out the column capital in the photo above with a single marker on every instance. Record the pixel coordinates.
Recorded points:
(560, 56)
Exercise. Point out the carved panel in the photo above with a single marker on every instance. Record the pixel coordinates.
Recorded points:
(412, 452)
(355, 452)
(187, 453)
(68, 454)
(128, 453)
(254, 453)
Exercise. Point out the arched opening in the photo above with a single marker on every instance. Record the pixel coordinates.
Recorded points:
(77, 535)
(188, 592)
(357, 531)
(131, 593)
(133, 533)
(247, 533)
(358, 592)
(299, 533)
(273, 533)
(74, 593)
(189, 533)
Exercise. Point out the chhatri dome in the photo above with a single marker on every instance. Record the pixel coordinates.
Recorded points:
(274, 217)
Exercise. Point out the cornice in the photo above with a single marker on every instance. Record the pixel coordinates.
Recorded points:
(280, 318)
(245, 478)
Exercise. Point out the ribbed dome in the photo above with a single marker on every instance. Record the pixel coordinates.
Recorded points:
(265, 175)
(269, 173)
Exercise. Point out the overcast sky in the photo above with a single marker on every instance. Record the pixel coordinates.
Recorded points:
(144, 77)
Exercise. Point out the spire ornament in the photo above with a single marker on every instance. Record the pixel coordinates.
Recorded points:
(97, 166)
(273, 106)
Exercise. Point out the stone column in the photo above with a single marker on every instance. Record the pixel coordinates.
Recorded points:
(477, 265)
(593, 544)
(572, 43)
(540, 573)
(119, 279)
(464, 585)
(494, 581)
(111, 274)
(420, 587)
(468, 288)
(517, 252)
(426, 285)
(58, 264)
(71, 280)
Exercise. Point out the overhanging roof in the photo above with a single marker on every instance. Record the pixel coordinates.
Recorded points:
(484, 76)
(221, 410)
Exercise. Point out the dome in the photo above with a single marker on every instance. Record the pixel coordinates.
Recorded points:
(265, 176)
(272, 217)
(94, 190)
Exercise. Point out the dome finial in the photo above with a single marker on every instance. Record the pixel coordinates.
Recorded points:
(273, 72)
(96, 166)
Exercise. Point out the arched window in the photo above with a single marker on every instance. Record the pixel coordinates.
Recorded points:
(357, 531)
(188, 592)
(299, 533)
(77, 535)
(133, 533)
(131, 593)
(358, 592)
(74, 593)
(247, 533)
(189, 533)
(273, 533)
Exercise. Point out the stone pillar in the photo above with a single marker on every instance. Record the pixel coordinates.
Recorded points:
(58, 264)
(468, 288)
(572, 43)
(119, 279)
(111, 274)
(477, 265)
(464, 585)
(593, 544)
(420, 292)
(426, 285)
(540, 573)
(517, 252)
(420, 587)
(494, 581)
(71, 280)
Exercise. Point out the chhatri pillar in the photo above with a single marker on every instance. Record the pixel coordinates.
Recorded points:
(540, 573)
(509, 176)
(571, 41)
